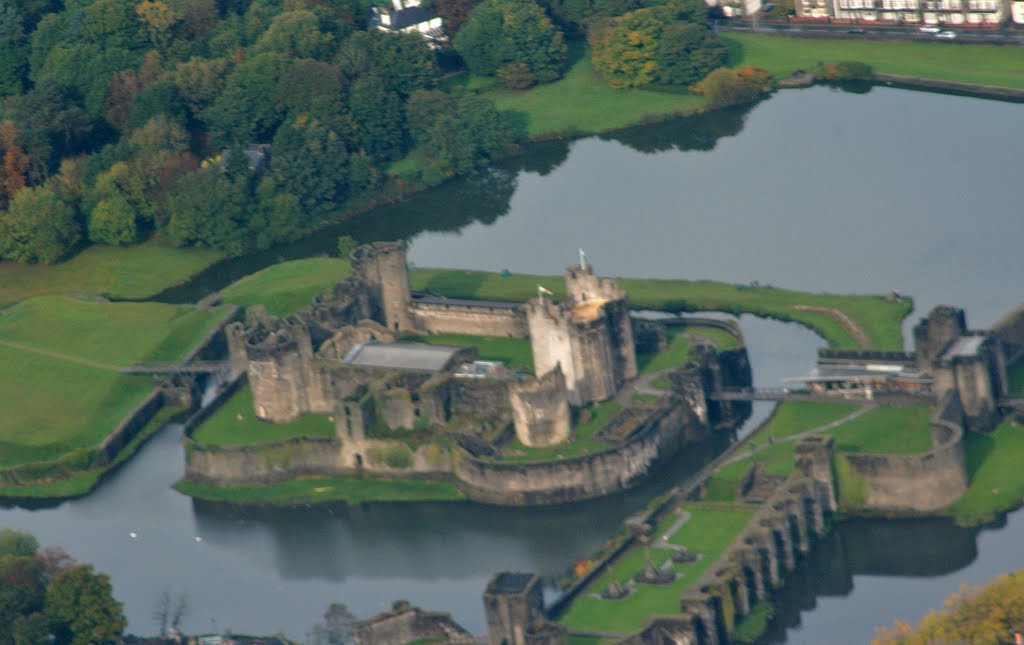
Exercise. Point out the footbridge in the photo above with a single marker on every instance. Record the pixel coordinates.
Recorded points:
(196, 367)
(758, 394)
(795, 394)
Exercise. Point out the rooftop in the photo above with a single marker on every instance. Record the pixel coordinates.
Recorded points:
(428, 299)
(964, 346)
(417, 357)
(510, 583)
(855, 373)
(588, 309)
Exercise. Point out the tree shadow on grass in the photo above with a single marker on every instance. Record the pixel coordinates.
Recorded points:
(735, 50)
(978, 447)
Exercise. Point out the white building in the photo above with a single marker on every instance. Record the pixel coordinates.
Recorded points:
(410, 18)
(1017, 11)
(924, 12)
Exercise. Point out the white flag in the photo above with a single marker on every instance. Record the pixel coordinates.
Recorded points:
(541, 290)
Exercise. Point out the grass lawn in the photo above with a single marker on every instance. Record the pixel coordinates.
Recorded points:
(794, 417)
(888, 428)
(672, 356)
(721, 338)
(993, 464)
(879, 318)
(287, 287)
(582, 102)
(1015, 376)
(59, 386)
(984, 64)
(708, 532)
(309, 490)
(516, 353)
(750, 627)
(581, 441)
(118, 272)
(235, 424)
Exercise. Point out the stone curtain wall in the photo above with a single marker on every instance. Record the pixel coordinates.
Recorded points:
(921, 482)
(1010, 330)
(262, 464)
(474, 321)
(525, 484)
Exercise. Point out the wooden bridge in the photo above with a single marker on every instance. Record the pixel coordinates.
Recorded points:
(195, 367)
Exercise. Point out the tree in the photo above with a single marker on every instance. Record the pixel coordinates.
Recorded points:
(503, 32)
(159, 18)
(206, 208)
(468, 137)
(403, 62)
(313, 88)
(725, 86)
(346, 244)
(311, 162)
(377, 112)
(455, 13)
(200, 81)
(14, 50)
(112, 222)
(80, 603)
(38, 227)
(337, 626)
(423, 109)
(296, 34)
(22, 591)
(667, 44)
(245, 112)
(17, 544)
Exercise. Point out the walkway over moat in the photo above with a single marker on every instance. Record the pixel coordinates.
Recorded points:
(197, 367)
(791, 394)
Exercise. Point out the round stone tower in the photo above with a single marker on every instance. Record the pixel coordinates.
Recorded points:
(540, 409)
(277, 361)
(382, 271)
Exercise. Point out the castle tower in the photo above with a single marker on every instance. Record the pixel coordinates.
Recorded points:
(583, 285)
(934, 333)
(277, 365)
(513, 602)
(381, 269)
(578, 341)
(540, 409)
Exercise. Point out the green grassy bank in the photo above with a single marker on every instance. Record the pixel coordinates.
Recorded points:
(877, 317)
(313, 490)
(993, 465)
(708, 531)
(516, 353)
(59, 385)
(235, 424)
(287, 287)
(981, 64)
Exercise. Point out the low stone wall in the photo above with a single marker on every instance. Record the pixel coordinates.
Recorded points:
(579, 478)
(472, 320)
(407, 624)
(1010, 330)
(921, 482)
(262, 464)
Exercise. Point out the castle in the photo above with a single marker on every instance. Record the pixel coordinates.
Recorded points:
(402, 408)
(328, 358)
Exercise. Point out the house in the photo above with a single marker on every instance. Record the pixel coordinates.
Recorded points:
(923, 12)
(409, 17)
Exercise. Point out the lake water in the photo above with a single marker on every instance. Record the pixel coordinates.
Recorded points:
(815, 189)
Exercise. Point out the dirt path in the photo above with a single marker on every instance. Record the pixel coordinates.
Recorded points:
(844, 321)
(58, 355)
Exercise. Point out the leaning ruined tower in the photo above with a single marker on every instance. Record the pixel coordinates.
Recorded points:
(382, 271)
(540, 409)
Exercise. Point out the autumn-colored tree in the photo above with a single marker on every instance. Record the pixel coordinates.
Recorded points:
(624, 50)
(159, 19)
(980, 616)
(16, 163)
(732, 87)
(454, 13)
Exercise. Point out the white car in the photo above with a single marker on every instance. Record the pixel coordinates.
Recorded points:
(930, 30)
(950, 35)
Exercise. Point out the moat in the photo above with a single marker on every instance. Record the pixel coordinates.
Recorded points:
(917, 228)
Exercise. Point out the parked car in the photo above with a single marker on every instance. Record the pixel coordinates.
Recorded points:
(930, 29)
(856, 31)
(949, 35)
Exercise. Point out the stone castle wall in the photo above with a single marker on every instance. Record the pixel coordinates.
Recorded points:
(434, 318)
(1010, 331)
(407, 624)
(540, 410)
(524, 484)
(922, 482)
(381, 269)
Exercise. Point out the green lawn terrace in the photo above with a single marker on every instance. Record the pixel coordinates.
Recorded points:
(60, 385)
(856, 428)
(703, 529)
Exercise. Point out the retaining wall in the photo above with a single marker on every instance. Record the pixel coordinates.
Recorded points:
(472, 320)
(921, 482)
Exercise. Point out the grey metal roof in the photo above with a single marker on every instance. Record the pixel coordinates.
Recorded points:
(855, 373)
(409, 16)
(428, 299)
(418, 357)
(964, 346)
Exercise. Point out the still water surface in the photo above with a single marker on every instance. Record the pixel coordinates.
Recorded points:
(814, 189)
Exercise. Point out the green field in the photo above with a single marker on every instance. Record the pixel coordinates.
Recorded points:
(877, 317)
(582, 102)
(287, 287)
(59, 385)
(516, 353)
(983, 64)
(672, 356)
(721, 338)
(235, 424)
(581, 440)
(889, 429)
(794, 417)
(119, 272)
(709, 531)
(311, 490)
(993, 465)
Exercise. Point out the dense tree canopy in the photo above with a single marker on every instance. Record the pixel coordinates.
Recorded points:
(666, 44)
(46, 598)
(501, 33)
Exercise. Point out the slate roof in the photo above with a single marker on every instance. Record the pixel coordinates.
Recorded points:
(416, 357)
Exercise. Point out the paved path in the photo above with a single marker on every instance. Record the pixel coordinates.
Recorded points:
(844, 321)
(661, 542)
(58, 355)
(867, 407)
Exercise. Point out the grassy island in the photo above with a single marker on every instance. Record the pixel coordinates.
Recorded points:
(60, 384)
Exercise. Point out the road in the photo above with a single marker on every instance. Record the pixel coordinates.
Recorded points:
(975, 35)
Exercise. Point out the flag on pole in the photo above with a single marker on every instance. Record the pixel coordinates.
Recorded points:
(541, 291)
